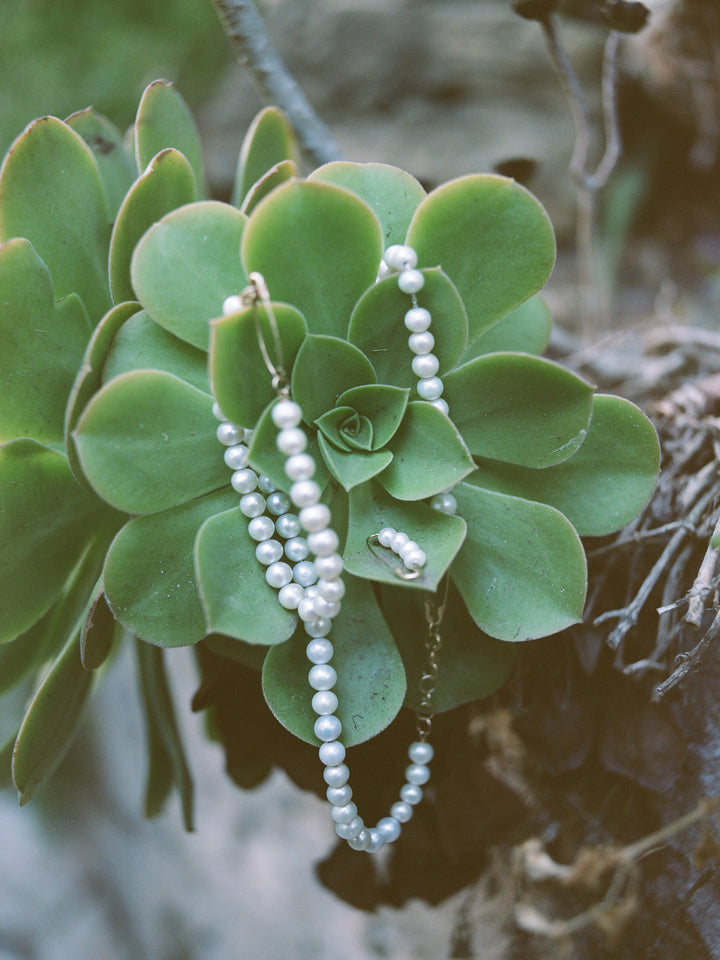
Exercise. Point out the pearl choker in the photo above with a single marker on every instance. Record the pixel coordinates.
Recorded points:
(300, 553)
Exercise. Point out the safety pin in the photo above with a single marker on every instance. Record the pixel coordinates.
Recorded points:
(402, 573)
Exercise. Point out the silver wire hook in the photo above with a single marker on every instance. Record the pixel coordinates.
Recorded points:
(257, 292)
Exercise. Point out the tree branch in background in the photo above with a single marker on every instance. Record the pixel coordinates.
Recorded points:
(248, 36)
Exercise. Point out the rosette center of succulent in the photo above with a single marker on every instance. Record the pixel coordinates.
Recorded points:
(346, 429)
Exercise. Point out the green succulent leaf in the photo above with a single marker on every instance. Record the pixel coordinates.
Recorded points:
(521, 570)
(392, 194)
(473, 665)
(115, 165)
(98, 631)
(429, 455)
(350, 469)
(43, 344)
(142, 344)
(146, 442)
(519, 408)
(371, 678)
(266, 459)
(384, 406)
(22, 655)
(187, 264)
(275, 177)
(325, 367)
(46, 519)
(166, 184)
(604, 485)
(13, 704)
(318, 247)
(51, 194)
(491, 237)
(242, 384)
(526, 329)
(440, 536)
(377, 326)
(164, 120)
(149, 574)
(167, 765)
(345, 429)
(51, 721)
(238, 600)
(269, 142)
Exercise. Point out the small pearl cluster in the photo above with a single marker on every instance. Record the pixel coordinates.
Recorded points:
(405, 548)
(403, 261)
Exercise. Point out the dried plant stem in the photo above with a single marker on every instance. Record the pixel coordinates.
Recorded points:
(703, 584)
(248, 35)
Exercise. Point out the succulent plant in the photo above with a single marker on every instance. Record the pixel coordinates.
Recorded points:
(117, 516)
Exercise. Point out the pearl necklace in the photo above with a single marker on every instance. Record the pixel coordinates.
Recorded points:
(309, 578)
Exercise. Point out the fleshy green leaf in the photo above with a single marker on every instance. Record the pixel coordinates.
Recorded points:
(429, 455)
(345, 429)
(266, 458)
(241, 382)
(472, 664)
(325, 367)
(392, 194)
(115, 164)
(383, 405)
(238, 601)
(491, 237)
(167, 763)
(604, 485)
(350, 469)
(318, 247)
(46, 519)
(187, 264)
(275, 177)
(164, 120)
(521, 570)
(519, 408)
(150, 576)
(167, 183)
(440, 536)
(146, 442)
(51, 194)
(51, 721)
(269, 141)
(142, 344)
(42, 345)
(377, 326)
(98, 631)
(371, 678)
(526, 329)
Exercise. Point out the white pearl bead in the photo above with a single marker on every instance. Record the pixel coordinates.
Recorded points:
(425, 365)
(232, 304)
(305, 573)
(332, 590)
(268, 551)
(344, 813)
(322, 677)
(330, 567)
(421, 343)
(377, 841)
(444, 503)
(306, 610)
(286, 414)
(335, 774)
(323, 542)
(261, 528)
(290, 595)
(400, 257)
(327, 728)
(300, 466)
(229, 434)
(278, 502)
(430, 388)
(252, 505)
(217, 412)
(385, 537)
(236, 457)
(288, 525)
(407, 547)
(401, 811)
(440, 405)
(244, 481)
(291, 440)
(318, 628)
(319, 651)
(411, 793)
(325, 702)
(417, 319)
(265, 485)
(348, 831)
(296, 548)
(415, 559)
(421, 751)
(326, 608)
(305, 492)
(398, 542)
(411, 281)
(361, 841)
(417, 773)
(278, 574)
(388, 828)
(332, 754)
(339, 796)
(315, 517)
